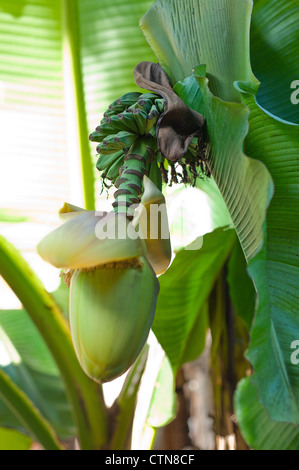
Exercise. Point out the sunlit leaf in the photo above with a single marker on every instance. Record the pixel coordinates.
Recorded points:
(27, 361)
(180, 323)
(14, 440)
(112, 44)
(11, 217)
(157, 400)
(163, 404)
(27, 341)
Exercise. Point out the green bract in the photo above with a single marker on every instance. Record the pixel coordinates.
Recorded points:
(111, 312)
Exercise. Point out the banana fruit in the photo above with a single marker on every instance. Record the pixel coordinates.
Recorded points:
(128, 118)
(122, 103)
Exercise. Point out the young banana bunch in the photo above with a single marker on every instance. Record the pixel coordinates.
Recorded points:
(132, 120)
(129, 127)
(111, 260)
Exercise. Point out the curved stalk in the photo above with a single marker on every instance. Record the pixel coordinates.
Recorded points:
(85, 395)
(126, 403)
(27, 413)
(75, 105)
(129, 185)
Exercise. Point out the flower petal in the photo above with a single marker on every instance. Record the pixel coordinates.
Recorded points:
(91, 239)
(69, 211)
(152, 221)
(178, 124)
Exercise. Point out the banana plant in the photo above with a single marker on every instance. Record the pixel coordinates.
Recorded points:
(207, 111)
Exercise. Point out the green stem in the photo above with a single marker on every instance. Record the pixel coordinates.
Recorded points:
(130, 183)
(27, 413)
(85, 395)
(75, 103)
(126, 403)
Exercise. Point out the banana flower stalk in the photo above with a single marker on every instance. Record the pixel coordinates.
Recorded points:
(112, 275)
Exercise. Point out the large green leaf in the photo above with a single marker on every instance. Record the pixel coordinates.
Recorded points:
(26, 412)
(27, 341)
(41, 90)
(180, 323)
(112, 44)
(275, 270)
(258, 429)
(212, 32)
(274, 55)
(33, 123)
(30, 365)
(157, 400)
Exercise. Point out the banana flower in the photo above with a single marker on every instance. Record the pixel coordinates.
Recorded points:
(113, 281)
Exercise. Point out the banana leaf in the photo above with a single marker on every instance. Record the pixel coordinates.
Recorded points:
(181, 319)
(30, 365)
(253, 159)
(274, 55)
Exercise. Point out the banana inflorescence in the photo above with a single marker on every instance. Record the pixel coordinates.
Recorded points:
(113, 280)
(113, 288)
